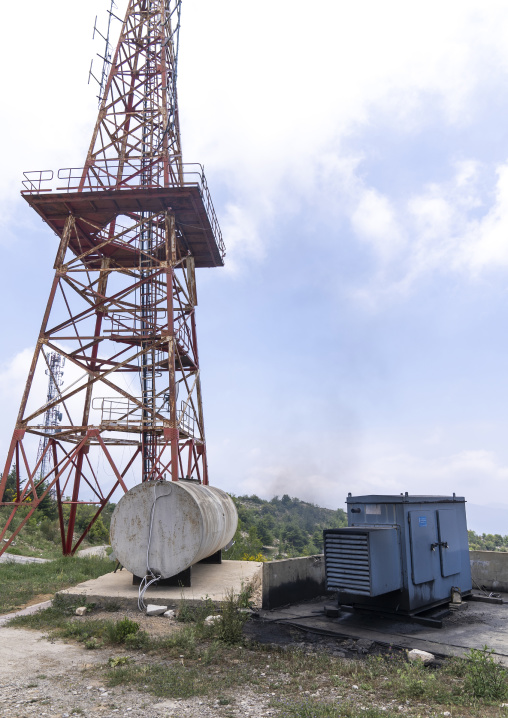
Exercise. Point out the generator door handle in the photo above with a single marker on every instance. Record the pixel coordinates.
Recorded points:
(444, 544)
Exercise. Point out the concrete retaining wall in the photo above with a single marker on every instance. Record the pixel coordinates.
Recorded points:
(292, 580)
(489, 569)
(298, 579)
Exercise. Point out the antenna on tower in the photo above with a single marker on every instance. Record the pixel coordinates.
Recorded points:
(53, 415)
(106, 58)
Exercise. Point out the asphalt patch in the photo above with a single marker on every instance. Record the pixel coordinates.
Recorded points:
(281, 635)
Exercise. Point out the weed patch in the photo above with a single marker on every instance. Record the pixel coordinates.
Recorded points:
(174, 681)
(230, 627)
(484, 678)
(115, 661)
(319, 709)
(413, 681)
(95, 633)
(188, 613)
(119, 631)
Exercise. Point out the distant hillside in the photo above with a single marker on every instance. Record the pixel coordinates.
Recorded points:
(287, 527)
(280, 528)
(487, 542)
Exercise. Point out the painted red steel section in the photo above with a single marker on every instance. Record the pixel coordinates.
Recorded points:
(133, 224)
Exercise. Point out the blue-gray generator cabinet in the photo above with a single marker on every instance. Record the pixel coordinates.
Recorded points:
(399, 554)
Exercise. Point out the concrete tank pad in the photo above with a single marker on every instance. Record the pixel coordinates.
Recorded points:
(209, 581)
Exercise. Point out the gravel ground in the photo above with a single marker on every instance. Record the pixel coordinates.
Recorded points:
(56, 679)
(45, 677)
(41, 677)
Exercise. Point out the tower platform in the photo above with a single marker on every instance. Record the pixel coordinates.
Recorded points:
(94, 210)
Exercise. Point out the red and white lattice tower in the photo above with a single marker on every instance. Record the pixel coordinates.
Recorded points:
(134, 223)
(53, 415)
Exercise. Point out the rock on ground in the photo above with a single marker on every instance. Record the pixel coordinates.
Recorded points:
(153, 610)
(423, 656)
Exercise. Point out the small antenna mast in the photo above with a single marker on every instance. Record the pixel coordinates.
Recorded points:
(52, 416)
(106, 58)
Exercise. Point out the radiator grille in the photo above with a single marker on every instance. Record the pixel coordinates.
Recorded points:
(347, 562)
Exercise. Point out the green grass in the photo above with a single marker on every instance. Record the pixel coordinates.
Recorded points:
(338, 688)
(21, 583)
(177, 681)
(316, 709)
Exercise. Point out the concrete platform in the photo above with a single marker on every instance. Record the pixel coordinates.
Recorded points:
(211, 581)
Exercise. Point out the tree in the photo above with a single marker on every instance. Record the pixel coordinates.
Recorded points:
(10, 486)
(263, 530)
(98, 533)
(294, 536)
(48, 505)
(317, 540)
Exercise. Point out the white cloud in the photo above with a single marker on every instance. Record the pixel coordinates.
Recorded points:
(382, 468)
(466, 473)
(485, 242)
(13, 373)
(277, 93)
(452, 227)
(373, 220)
(244, 242)
(265, 103)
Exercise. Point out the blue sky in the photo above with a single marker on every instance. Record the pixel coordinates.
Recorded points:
(357, 155)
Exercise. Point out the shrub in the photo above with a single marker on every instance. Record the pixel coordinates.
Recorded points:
(484, 677)
(230, 628)
(120, 630)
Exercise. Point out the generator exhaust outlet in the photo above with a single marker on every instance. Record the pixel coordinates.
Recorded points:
(399, 554)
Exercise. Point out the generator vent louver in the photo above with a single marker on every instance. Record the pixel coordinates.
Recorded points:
(355, 560)
(347, 562)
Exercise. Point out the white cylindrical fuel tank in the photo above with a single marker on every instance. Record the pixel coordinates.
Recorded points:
(167, 526)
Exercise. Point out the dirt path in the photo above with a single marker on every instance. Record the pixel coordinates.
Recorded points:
(41, 677)
(14, 558)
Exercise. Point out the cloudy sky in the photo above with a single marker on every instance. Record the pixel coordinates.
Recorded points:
(357, 155)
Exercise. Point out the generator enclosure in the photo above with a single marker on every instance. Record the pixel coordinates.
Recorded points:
(399, 554)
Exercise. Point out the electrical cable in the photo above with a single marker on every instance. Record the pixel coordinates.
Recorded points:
(485, 592)
(150, 577)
